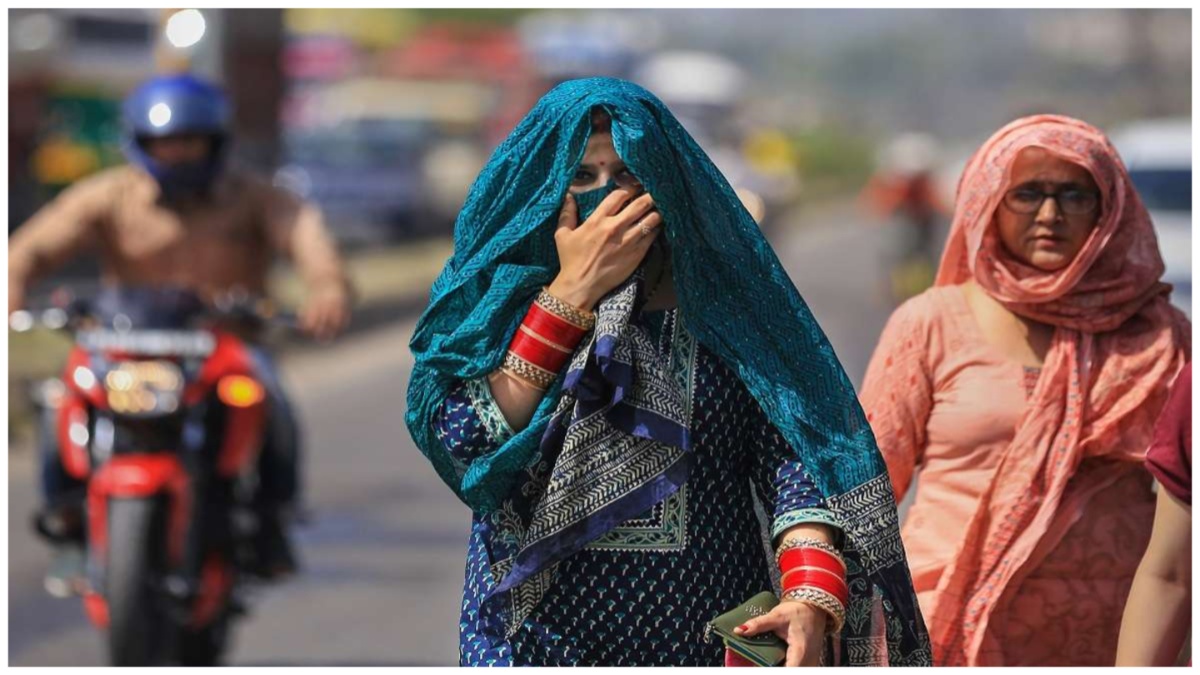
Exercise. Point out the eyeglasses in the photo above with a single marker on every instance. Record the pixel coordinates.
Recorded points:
(1025, 200)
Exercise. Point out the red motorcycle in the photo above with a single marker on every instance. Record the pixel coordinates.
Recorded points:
(162, 417)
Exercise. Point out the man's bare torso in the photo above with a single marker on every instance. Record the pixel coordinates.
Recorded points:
(210, 245)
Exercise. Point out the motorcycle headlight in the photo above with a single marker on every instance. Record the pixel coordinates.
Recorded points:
(143, 388)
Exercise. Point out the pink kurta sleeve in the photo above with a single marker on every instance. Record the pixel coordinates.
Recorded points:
(1170, 456)
(897, 392)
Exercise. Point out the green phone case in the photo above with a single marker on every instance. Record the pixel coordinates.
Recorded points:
(764, 649)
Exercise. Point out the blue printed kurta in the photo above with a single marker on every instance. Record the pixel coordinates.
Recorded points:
(642, 594)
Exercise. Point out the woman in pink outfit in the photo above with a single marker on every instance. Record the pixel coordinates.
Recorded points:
(1158, 615)
(1025, 386)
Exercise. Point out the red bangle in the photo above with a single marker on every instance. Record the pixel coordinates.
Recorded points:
(812, 572)
(814, 557)
(539, 354)
(821, 570)
(803, 573)
(553, 328)
(819, 579)
(835, 587)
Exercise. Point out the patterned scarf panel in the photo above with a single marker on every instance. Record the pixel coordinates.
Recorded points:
(616, 445)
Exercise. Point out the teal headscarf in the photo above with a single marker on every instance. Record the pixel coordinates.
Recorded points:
(734, 296)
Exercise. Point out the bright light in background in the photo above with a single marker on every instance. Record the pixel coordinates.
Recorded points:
(185, 28)
(160, 114)
(84, 378)
(34, 32)
(20, 320)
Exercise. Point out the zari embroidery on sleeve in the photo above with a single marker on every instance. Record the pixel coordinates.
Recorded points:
(489, 412)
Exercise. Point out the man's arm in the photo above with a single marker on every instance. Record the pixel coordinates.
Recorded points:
(55, 234)
(297, 228)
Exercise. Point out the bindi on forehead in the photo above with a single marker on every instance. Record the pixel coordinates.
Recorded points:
(601, 155)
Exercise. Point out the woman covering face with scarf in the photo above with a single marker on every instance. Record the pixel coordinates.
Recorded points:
(613, 365)
(1025, 385)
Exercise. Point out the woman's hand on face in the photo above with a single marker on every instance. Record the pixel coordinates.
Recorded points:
(800, 624)
(598, 254)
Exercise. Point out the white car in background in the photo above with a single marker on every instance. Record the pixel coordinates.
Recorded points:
(1158, 154)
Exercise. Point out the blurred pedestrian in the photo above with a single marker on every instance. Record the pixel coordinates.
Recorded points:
(1025, 385)
(612, 365)
(178, 217)
(903, 190)
(1158, 613)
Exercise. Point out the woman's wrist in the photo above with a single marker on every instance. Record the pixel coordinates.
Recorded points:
(808, 530)
(545, 340)
(811, 609)
(813, 572)
(821, 603)
(573, 292)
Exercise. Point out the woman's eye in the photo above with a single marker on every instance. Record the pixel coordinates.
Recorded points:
(625, 178)
(1027, 195)
(582, 176)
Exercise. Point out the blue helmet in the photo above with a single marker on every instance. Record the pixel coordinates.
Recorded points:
(171, 105)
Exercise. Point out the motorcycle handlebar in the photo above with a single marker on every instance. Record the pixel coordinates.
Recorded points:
(68, 317)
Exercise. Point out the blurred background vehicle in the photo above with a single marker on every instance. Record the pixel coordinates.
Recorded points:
(1158, 154)
(706, 91)
(904, 192)
(161, 440)
(386, 131)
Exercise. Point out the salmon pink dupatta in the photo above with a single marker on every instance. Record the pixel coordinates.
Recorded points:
(1117, 346)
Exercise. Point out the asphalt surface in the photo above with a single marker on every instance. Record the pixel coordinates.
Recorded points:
(383, 555)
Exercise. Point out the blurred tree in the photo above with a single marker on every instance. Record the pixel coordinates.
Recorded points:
(833, 160)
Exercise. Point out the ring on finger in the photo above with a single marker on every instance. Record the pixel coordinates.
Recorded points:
(646, 229)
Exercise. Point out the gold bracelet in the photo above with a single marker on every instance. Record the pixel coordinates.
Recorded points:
(580, 318)
(821, 600)
(521, 381)
(538, 377)
(808, 542)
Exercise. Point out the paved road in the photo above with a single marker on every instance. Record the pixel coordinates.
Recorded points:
(384, 555)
